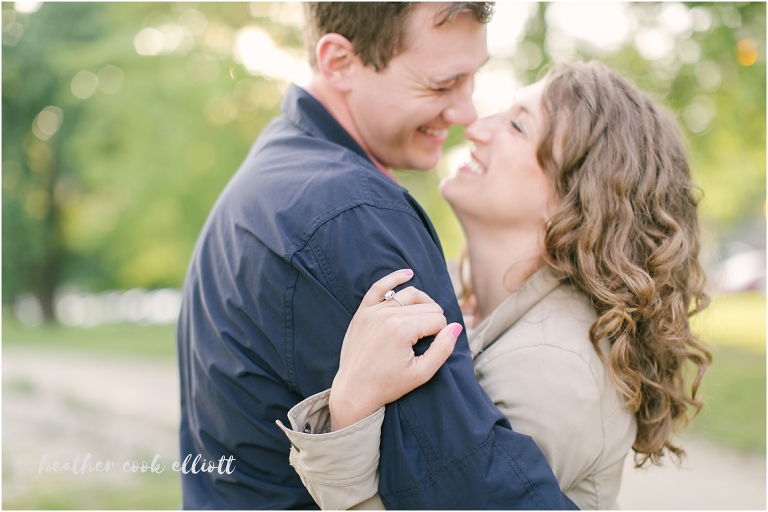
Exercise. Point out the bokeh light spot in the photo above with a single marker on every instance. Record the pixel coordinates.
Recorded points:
(495, 84)
(507, 27)
(173, 35)
(149, 41)
(12, 29)
(702, 19)
(47, 122)
(604, 25)
(256, 51)
(28, 310)
(676, 17)
(27, 7)
(194, 20)
(218, 39)
(110, 79)
(264, 9)
(747, 52)
(699, 114)
(689, 51)
(653, 44)
(708, 74)
(84, 84)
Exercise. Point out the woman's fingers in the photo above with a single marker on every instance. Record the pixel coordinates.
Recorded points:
(422, 325)
(395, 309)
(377, 363)
(426, 365)
(389, 282)
(407, 296)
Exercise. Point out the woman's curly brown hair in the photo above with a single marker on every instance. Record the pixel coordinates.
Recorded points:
(626, 233)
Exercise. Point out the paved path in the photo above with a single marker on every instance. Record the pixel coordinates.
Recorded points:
(67, 403)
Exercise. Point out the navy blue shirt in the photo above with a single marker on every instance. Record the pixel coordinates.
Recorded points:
(301, 232)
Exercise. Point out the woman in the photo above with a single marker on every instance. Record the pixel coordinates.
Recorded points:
(582, 234)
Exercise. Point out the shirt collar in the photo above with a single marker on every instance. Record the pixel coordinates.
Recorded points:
(535, 288)
(309, 115)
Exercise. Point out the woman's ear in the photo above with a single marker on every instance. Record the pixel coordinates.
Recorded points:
(335, 58)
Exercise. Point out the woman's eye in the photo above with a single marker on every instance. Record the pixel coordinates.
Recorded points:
(517, 126)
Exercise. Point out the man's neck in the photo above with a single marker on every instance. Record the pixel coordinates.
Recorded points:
(334, 103)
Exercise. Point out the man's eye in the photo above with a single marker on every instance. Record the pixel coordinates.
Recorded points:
(447, 88)
(517, 126)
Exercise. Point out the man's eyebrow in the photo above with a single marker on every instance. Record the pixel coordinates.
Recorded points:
(448, 80)
(459, 75)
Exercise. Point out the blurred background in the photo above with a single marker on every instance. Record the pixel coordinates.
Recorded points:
(122, 122)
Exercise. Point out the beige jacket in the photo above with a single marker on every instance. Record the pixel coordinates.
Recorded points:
(533, 357)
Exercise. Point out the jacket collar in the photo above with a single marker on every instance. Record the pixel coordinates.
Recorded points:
(535, 288)
(310, 116)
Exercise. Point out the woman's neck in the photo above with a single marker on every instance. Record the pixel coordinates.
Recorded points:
(501, 262)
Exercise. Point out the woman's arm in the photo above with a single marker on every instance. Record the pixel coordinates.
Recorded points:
(339, 469)
(336, 434)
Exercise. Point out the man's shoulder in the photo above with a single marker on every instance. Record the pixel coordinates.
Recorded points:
(291, 183)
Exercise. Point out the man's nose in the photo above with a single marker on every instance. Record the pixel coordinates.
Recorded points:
(462, 111)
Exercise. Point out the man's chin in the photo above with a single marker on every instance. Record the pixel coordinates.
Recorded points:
(423, 162)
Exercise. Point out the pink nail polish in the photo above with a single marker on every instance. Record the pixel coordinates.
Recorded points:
(408, 272)
(456, 330)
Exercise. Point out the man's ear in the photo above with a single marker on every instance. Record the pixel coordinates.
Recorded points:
(335, 58)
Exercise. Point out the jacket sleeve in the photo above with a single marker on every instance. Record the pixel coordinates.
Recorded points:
(340, 469)
(444, 445)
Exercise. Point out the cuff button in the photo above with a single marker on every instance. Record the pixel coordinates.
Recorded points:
(307, 428)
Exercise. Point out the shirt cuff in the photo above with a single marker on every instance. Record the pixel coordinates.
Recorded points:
(339, 469)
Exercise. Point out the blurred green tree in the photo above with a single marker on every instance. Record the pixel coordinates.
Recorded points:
(715, 81)
(113, 190)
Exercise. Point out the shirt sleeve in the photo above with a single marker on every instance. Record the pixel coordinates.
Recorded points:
(551, 394)
(340, 469)
(445, 444)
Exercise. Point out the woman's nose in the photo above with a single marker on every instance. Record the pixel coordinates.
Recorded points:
(479, 131)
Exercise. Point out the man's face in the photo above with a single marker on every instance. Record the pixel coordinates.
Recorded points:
(404, 111)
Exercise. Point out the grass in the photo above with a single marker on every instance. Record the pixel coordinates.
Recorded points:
(734, 321)
(733, 390)
(158, 341)
(147, 492)
(734, 400)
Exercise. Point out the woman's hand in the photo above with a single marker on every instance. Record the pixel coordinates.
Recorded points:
(378, 364)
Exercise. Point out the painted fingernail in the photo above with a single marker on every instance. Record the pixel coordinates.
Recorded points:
(408, 272)
(456, 330)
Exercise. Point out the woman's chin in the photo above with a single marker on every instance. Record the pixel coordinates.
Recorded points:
(450, 191)
(447, 187)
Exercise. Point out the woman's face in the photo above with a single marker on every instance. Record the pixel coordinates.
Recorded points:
(502, 184)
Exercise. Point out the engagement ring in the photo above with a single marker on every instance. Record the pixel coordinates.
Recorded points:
(391, 295)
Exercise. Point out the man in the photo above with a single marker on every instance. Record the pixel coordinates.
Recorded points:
(312, 219)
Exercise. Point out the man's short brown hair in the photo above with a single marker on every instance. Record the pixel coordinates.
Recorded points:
(376, 29)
